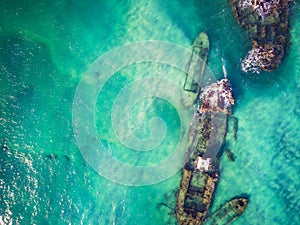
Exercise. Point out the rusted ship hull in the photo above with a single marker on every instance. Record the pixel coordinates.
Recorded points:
(267, 26)
(197, 187)
(229, 212)
(194, 197)
(197, 64)
(200, 173)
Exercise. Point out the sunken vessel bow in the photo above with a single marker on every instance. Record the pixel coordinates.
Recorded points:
(267, 24)
(200, 172)
(196, 65)
(229, 212)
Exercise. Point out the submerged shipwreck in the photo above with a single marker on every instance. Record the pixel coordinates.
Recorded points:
(206, 135)
(230, 211)
(267, 24)
(197, 65)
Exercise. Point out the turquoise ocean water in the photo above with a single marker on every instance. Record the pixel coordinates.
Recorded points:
(46, 47)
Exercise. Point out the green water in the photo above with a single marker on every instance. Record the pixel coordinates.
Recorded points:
(46, 47)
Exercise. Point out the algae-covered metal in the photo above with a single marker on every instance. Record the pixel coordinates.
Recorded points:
(197, 64)
(200, 172)
(206, 135)
(267, 24)
(198, 181)
(229, 212)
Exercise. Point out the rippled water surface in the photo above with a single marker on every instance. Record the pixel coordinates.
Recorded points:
(45, 49)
